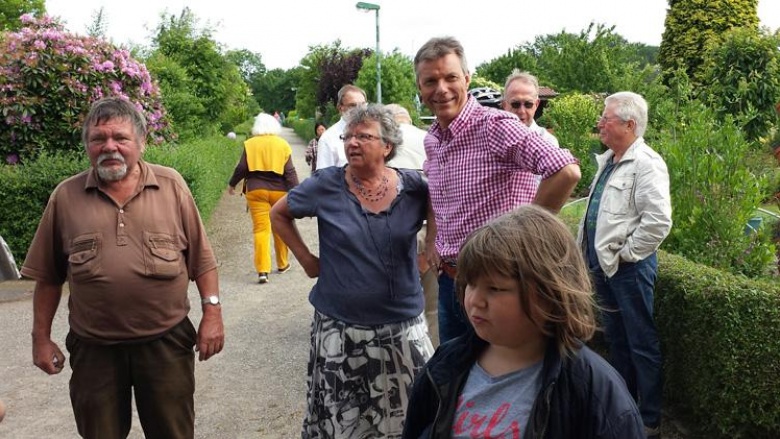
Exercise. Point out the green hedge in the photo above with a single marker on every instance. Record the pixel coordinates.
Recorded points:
(24, 192)
(720, 336)
(206, 166)
(304, 128)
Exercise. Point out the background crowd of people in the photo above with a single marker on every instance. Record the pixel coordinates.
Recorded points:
(425, 238)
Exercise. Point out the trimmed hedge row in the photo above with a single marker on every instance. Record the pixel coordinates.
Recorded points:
(206, 166)
(720, 336)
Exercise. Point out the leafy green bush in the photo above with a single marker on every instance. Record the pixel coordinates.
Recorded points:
(714, 193)
(742, 78)
(25, 190)
(720, 337)
(206, 166)
(304, 128)
(573, 118)
(49, 78)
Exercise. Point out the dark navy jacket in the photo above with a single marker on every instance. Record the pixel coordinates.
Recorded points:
(581, 397)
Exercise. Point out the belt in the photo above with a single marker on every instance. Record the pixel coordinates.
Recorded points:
(449, 267)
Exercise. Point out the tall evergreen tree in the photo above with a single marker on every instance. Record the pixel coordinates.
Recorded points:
(691, 25)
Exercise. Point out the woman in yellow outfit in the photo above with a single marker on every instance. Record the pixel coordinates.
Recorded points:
(268, 172)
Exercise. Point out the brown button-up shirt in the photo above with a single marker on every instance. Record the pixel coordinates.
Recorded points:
(128, 266)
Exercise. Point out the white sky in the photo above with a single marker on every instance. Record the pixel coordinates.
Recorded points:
(282, 30)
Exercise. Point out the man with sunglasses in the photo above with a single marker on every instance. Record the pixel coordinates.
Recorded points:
(521, 98)
(481, 163)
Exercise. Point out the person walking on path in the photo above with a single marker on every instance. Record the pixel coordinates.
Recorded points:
(128, 238)
(330, 148)
(481, 163)
(629, 214)
(268, 172)
(369, 337)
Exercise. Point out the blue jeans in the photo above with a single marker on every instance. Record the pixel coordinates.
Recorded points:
(627, 314)
(452, 319)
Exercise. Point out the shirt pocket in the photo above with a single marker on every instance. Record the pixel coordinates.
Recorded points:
(83, 257)
(162, 257)
(617, 195)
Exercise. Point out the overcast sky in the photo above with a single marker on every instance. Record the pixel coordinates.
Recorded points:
(282, 30)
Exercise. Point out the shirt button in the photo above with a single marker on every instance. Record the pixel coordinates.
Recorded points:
(121, 224)
(121, 211)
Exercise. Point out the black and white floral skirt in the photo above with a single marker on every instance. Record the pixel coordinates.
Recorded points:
(360, 377)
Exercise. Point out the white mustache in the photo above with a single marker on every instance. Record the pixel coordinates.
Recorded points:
(110, 156)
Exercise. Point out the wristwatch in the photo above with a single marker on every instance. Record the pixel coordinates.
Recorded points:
(211, 300)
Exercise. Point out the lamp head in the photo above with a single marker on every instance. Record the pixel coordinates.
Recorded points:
(367, 6)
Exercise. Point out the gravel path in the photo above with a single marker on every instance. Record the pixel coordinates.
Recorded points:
(254, 389)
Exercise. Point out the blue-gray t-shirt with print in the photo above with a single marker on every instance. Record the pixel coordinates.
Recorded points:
(496, 407)
(591, 216)
(368, 262)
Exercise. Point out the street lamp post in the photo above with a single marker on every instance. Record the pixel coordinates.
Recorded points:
(374, 7)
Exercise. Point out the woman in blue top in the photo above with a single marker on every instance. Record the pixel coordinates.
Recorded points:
(369, 338)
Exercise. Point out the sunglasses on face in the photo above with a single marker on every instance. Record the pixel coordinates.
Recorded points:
(526, 104)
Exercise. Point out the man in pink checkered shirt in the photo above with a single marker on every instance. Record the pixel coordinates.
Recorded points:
(481, 163)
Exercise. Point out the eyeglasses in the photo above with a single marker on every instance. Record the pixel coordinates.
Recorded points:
(354, 105)
(526, 104)
(608, 118)
(361, 137)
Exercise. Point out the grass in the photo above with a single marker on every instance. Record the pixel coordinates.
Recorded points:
(572, 213)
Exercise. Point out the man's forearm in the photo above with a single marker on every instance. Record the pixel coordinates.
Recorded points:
(556, 189)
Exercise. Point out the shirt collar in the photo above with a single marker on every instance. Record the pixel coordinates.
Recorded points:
(147, 178)
(461, 121)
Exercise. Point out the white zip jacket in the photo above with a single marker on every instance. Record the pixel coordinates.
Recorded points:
(635, 212)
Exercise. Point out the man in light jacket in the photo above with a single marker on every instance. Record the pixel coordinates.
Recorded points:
(629, 215)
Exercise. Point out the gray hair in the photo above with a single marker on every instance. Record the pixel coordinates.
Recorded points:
(110, 108)
(348, 88)
(400, 114)
(525, 78)
(440, 47)
(630, 106)
(265, 124)
(388, 127)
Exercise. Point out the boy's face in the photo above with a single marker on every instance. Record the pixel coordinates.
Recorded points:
(493, 306)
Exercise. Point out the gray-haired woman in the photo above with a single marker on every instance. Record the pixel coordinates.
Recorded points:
(369, 338)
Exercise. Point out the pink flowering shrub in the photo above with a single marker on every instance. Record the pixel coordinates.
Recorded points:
(48, 80)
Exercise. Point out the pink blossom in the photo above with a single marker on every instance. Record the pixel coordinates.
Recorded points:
(40, 45)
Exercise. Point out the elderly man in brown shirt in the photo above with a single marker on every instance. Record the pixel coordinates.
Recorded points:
(128, 238)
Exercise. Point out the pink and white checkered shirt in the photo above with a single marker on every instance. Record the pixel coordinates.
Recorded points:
(481, 166)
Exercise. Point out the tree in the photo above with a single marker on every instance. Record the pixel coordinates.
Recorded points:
(398, 80)
(12, 10)
(212, 79)
(324, 70)
(595, 60)
(50, 78)
(498, 69)
(693, 24)
(98, 26)
(275, 90)
(250, 64)
(741, 78)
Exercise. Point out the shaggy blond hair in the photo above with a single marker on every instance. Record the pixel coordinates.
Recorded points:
(534, 247)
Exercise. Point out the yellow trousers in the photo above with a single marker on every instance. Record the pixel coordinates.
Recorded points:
(260, 202)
